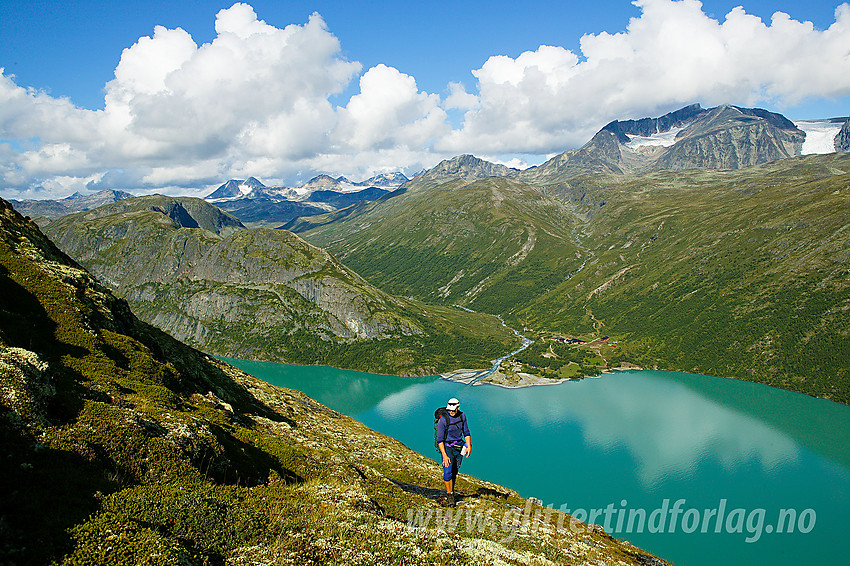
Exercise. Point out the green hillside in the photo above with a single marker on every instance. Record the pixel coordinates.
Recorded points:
(123, 446)
(487, 244)
(732, 273)
(737, 274)
(197, 273)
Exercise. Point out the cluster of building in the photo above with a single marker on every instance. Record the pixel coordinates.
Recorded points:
(562, 340)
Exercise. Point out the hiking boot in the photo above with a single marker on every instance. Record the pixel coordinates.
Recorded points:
(451, 498)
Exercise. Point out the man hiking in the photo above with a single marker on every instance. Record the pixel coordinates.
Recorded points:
(454, 443)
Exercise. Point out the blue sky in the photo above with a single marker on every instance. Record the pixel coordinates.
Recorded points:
(401, 84)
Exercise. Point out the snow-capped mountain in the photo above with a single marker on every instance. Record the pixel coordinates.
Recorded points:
(648, 135)
(252, 201)
(724, 137)
(253, 188)
(326, 183)
(385, 180)
(236, 188)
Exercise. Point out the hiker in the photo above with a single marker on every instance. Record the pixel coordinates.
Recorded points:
(453, 442)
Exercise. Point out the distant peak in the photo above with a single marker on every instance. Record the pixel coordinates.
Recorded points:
(253, 182)
(469, 167)
(385, 180)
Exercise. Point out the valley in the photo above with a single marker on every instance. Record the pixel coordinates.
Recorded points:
(253, 253)
(199, 274)
(700, 241)
(123, 445)
(732, 272)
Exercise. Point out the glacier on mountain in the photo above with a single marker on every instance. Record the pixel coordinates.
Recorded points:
(820, 135)
(664, 139)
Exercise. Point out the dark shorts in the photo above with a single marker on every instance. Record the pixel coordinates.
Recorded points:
(450, 471)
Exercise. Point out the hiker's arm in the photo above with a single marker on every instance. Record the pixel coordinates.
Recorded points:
(468, 440)
(446, 461)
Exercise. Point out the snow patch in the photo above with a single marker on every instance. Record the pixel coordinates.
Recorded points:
(820, 135)
(663, 139)
(301, 191)
(245, 189)
(348, 187)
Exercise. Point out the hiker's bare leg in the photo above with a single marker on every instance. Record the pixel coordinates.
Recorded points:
(449, 486)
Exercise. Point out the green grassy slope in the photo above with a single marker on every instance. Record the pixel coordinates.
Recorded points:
(733, 273)
(738, 274)
(487, 244)
(266, 294)
(123, 446)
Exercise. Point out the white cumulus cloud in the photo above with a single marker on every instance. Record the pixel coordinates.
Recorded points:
(390, 111)
(179, 113)
(673, 54)
(459, 99)
(264, 101)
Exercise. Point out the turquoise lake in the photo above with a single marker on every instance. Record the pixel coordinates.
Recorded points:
(629, 441)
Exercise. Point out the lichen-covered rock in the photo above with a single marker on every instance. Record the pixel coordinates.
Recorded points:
(24, 383)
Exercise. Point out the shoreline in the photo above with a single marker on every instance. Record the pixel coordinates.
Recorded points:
(476, 377)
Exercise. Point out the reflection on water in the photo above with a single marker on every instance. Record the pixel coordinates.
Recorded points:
(817, 424)
(349, 392)
(665, 427)
(636, 436)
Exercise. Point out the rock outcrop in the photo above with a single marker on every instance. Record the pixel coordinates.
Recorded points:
(466, 167)
(842, 140)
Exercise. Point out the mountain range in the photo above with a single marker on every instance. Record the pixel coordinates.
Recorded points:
(737, 272)
(251, 187)
(258, 205)
(724, 137)
(46, 210)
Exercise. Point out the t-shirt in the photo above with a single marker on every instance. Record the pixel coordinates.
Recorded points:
(457, 429)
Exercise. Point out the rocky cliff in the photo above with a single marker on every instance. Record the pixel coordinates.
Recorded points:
(729, 137)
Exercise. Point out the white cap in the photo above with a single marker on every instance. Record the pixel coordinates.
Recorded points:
(452, 404)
